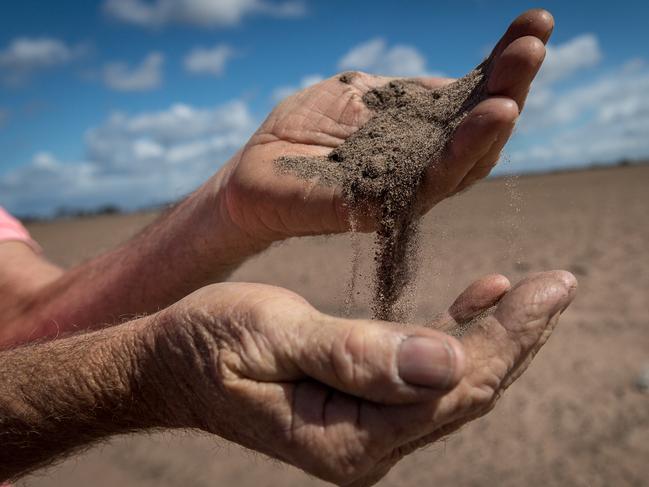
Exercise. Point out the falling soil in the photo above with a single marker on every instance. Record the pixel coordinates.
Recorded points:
(383, 164)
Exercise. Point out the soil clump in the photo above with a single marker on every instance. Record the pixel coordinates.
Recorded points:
(383, 165)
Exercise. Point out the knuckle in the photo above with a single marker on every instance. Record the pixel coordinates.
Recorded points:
(354, 114)
(485, 402)
(536, 50)
(478, 398)
(340, 458)
(360, 359)
(536, 310)
(478, 405)
(270, 305)
(347, 355)
(351, 459)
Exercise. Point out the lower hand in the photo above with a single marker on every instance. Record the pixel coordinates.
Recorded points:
(344, 399)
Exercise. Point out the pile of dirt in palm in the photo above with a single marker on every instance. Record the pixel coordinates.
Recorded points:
(383, 164)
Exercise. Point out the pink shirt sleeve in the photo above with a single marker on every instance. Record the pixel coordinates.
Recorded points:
(12, 229)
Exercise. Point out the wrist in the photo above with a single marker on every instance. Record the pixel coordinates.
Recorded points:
(236, 202)
(229, 238)
(142, 383)
(125, 385)
(182, 358)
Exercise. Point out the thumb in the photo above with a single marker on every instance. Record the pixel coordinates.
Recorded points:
(477, 298)
(382, 362)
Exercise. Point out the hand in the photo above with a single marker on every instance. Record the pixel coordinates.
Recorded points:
(343, 399)
(267, 207)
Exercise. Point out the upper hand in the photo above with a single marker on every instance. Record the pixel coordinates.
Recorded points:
(266, 206)
(346, 399)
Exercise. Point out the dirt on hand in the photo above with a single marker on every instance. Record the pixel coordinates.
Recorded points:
(383, 164)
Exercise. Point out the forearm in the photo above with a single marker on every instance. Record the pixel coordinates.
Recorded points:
(23, 274)
(191, 245)
(60, 396)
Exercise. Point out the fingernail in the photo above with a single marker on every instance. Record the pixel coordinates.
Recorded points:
(426, 362)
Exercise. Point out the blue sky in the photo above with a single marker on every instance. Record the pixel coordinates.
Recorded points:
(136, 102)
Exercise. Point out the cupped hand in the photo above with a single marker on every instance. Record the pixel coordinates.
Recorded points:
(344, 399)
(268, 207)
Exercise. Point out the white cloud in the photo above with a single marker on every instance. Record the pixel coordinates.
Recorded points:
(569, 58)
(283, 91)
(562, 62)
(577, 114)
(145, 76)
(133, 160)
(204, 13)
(376, 57)
(603, 119)
(24, 56)
(208, 61)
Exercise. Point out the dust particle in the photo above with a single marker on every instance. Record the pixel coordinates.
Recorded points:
(383, 164)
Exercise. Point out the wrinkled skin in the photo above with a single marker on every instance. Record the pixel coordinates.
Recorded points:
(260, 366)
(326, 394)
(270, 207)
(270, 372)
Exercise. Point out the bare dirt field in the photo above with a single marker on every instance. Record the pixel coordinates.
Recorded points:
(575, 418)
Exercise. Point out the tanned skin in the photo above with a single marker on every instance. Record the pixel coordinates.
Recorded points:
(342, 399)
(246, 206)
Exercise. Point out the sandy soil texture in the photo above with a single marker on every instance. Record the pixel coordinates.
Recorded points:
(575, 418)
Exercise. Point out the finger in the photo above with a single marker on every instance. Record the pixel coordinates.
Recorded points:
(484, 166)
(515, 68)
(381, 362)
(472, 140)
(475, 299)
(523, 57)
(497, 348)
(536, 22)
(502, 340)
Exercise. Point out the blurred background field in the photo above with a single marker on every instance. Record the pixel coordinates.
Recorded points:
(576, 417)
(111, 106)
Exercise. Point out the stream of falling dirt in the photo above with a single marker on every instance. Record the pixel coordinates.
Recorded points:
(349, 301)
(514, 216)
(511, 216)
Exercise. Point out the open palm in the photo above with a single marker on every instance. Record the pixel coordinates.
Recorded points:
(314, 121)
(343, 399)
